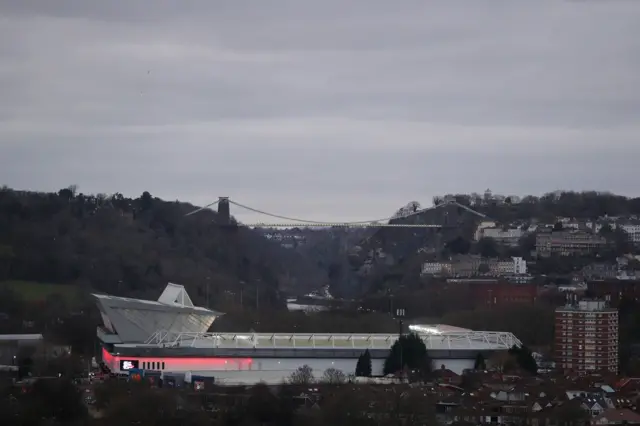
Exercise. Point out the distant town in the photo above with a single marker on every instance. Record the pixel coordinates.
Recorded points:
(498, 310)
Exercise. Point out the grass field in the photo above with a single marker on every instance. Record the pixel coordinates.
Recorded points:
(38, 292)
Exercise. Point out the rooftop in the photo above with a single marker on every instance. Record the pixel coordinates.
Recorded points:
(20, 337)
(445, 340)
(146, 323)
(437, 329)
(135, 320)
(587, 305)
(174, 295)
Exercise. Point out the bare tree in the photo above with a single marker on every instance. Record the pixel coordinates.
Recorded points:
(502, 361)
(302, 376)
(333, 376)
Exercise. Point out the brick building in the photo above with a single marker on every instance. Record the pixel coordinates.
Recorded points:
(487, 292)
(504, 293)
(613, 290)
(586, 336)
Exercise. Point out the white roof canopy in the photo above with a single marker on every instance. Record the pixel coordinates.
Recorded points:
(135, 320)
(175, 294)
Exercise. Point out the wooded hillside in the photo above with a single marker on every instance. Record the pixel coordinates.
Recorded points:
(133, 247)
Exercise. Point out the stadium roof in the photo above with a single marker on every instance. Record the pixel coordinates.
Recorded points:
(448, 340)
(437, 329)
(135, 320)
(174, 321)
(173, 296)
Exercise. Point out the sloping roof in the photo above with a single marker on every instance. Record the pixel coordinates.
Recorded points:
(618, 416)
(175, 294)
(136, 320)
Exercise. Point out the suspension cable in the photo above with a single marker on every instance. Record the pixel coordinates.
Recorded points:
(338, 225)
(316, 222)
(470, 210)
(320, 223)
(202, 208)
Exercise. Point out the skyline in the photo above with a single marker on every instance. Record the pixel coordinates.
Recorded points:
(331, 112)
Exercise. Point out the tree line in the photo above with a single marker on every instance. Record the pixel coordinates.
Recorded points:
(327, 247)
(546, 208)
(134, 246)
(60, 402)
(333, 398)
(403, 254)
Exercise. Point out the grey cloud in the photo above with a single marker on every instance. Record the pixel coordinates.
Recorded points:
(329, 110)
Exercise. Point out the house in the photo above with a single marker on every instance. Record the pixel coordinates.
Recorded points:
(617, 417)
(444, 375)
(600, 270)
(593, 405)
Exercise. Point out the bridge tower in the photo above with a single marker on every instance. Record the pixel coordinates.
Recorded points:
(224, 213)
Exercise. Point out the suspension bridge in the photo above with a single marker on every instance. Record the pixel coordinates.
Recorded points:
(224, 214)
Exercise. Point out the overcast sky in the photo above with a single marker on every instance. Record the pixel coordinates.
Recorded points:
(326, 110)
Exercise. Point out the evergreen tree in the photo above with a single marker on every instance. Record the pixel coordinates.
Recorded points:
(366, 364)
(480, 363)
(408, 351)
(524, 359)
(360, 366)
(363, 366)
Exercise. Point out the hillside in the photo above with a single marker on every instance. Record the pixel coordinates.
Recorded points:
(327, 248)
(352, 256)
(548, 207)
(391, 257)
(135, 246)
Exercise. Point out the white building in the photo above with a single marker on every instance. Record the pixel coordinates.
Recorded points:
(481, 227)
(519, 266)
(633, 230)
(436, 268)
(498, 268)
(181, 344)
(515, 266)
(509, 237)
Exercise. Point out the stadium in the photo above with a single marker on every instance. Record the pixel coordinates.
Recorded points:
(170, 337)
